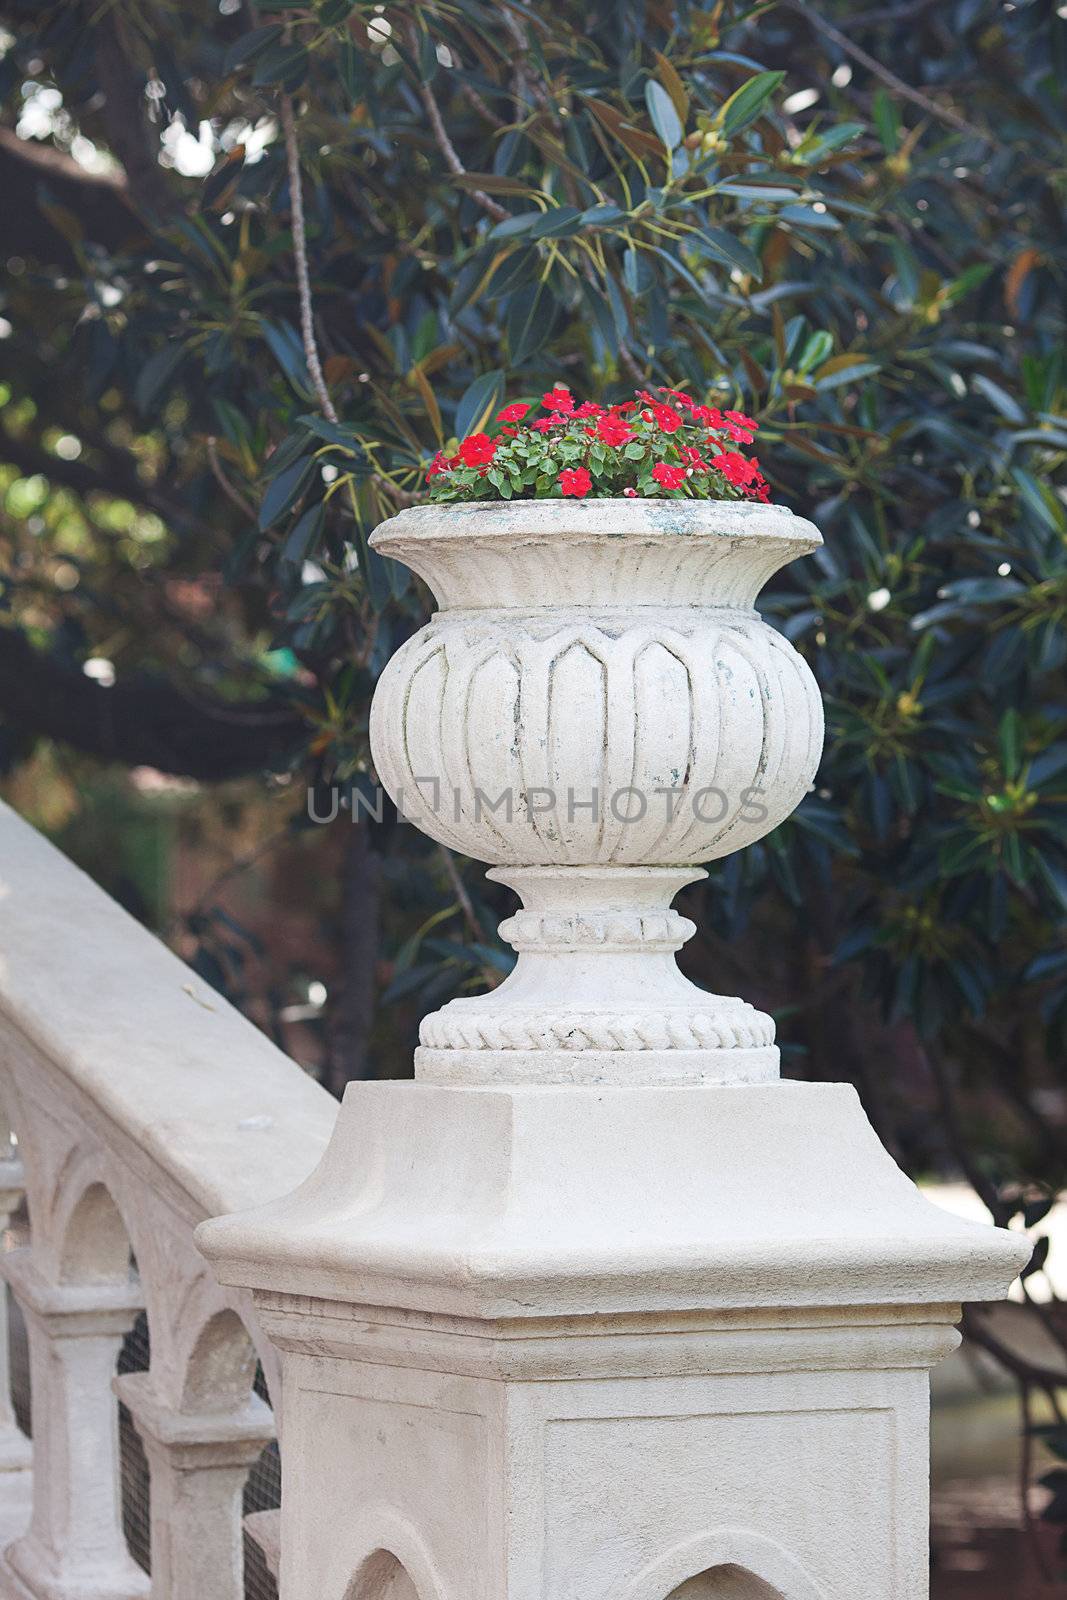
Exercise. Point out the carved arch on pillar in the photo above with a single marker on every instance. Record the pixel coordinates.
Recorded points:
(382, 1577)
(94, 1243)
(221, 1366)
(732, 1563)
(397, 1565)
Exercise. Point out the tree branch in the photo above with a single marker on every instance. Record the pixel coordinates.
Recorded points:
(300, 253)
(101, 204)
(931, 107)
(451, 155)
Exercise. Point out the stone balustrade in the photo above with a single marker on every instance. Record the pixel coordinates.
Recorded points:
(136, 1103)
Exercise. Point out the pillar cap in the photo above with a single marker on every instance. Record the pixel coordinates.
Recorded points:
(562, 1201)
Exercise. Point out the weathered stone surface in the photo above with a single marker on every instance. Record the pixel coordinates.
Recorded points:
(597, 698)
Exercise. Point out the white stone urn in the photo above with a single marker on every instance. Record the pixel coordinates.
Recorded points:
(595, 709)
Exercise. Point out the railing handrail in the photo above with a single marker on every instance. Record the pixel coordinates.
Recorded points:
(216, 1106)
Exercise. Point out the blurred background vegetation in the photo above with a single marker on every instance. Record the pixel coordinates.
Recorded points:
(848, 219)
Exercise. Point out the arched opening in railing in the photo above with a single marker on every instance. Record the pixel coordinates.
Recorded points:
(725, 1583)
(96, 1246)
(222, 1366)
(381, 1577)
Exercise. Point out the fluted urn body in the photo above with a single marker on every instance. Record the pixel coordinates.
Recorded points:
(595, 708)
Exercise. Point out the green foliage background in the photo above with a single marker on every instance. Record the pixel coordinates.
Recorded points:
(848, 221)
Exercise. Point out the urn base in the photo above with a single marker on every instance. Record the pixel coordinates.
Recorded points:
(596, 995)
(619, 1068)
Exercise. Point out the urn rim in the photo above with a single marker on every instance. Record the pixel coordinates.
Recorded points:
(504, 521)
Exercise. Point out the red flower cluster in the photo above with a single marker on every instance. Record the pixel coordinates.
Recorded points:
(589, 447)
(670, 477)
(575, 481)
(478, 450)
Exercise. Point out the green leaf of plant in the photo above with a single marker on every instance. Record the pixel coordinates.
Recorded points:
(746, 103)
(815, 351)
(721, 246)
(664, 117)
(250, 45)
(155, 375)
(478, 403)
(530, 320)
(284, 491)
(304, 535)
(284, 63)
(555, 223)
(887, 121)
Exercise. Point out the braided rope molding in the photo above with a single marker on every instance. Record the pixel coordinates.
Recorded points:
(532, 930)
(743, 1028)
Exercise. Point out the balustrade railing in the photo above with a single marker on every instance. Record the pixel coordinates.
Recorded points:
(135, 1103)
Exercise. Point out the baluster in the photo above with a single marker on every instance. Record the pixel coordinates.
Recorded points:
(199, 1462)
(75, 1548)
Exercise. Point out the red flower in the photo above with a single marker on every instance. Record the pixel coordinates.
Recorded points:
(689, 453)
(477, 450)
(544, 424)
(681, 397)
(589, 408)
(513, 413)
(709, 414)
(631, 494)
(742, 421)
(437, 465)
(738, 434)
(575, 481)
(559, 399)
(666, 418)
(613, 430)
(669, 477)
(735, 469)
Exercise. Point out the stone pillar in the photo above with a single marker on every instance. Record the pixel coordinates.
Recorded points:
(599, 1308)
(199, 1465)
(16, 1452)
(75, 1548)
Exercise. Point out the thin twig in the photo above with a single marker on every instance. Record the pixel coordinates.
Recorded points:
(865, 59)
(307, 311)
(476, 100)
(448, 149)
(300, 253)
(224, 483)
(464, 900)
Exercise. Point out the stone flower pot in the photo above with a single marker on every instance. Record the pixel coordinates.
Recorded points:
(596, 708)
